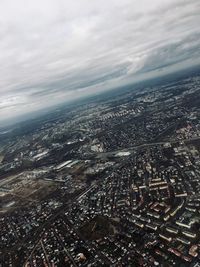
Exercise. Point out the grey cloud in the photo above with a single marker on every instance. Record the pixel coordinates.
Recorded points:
(172, 54)
(51, 50)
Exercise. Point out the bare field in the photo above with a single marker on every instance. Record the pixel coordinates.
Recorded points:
(23, 193)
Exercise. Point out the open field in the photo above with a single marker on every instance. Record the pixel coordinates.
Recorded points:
(20, 191)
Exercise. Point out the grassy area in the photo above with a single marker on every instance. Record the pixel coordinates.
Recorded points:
(97, 228)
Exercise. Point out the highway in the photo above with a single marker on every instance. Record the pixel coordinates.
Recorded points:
(133, 148)
(61, 210)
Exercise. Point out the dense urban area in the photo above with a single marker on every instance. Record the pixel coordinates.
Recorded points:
(109, 181)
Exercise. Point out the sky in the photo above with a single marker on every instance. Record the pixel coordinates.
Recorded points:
(52, 51)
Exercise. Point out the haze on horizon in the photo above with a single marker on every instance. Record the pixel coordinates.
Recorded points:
(59, 50)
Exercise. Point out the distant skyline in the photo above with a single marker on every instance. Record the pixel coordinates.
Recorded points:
(53, 51)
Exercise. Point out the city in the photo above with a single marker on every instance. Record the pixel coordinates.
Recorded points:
(112, 181)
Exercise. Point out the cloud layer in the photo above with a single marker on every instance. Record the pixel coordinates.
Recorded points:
(51, 50)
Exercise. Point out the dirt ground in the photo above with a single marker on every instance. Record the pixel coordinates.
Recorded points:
(23, 194)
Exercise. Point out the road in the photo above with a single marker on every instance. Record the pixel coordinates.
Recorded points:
(60, 211)
(88, 190)
(133, 148)
(66, 251)
(42, 228)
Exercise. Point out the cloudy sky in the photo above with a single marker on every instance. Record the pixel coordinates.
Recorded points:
(57, 50)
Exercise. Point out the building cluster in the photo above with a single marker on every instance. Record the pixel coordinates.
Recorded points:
(108, 183)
